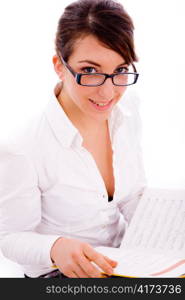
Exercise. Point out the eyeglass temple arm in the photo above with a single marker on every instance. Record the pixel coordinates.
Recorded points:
(67, 66)
(135, 71)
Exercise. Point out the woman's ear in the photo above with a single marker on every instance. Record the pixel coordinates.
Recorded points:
(58, 66)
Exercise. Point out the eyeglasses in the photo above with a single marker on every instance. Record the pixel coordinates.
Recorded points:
(96, 79)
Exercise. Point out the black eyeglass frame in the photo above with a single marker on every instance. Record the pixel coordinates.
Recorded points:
(78, 76)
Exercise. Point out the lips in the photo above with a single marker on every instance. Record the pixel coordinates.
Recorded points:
(100, 103)
(101, 106)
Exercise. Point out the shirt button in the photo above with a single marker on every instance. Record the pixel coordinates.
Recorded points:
(103, 226)
(104, 196)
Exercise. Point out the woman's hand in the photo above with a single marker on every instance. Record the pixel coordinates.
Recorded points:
(73, 258)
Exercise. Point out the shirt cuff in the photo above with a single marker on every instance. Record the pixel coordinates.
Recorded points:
(29, 248)
(49, 241)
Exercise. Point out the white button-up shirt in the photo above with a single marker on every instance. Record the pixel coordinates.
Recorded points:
(50, 186)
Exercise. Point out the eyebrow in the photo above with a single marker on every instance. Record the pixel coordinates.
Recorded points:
(98, 65)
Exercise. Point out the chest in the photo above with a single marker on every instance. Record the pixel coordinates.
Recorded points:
(101, 151)
(70, 183)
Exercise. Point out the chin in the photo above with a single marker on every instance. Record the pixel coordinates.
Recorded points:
(100, 117)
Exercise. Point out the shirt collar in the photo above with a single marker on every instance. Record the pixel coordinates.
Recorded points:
(66, 132)
(62, 127)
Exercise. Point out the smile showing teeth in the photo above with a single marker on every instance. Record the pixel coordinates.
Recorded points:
(99, 104)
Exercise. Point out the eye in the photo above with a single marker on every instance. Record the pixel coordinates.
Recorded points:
(88, 70)
(122, 70)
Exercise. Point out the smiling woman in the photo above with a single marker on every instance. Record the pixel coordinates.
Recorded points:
(74, 179)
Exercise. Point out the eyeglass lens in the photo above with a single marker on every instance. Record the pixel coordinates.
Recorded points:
(96, 79)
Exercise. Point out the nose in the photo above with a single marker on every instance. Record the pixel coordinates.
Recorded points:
(106, 90)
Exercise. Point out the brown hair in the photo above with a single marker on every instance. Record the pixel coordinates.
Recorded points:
(107, 20)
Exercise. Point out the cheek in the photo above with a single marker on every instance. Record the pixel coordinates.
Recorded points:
(82, 93)
(72, 88)
(78, 93)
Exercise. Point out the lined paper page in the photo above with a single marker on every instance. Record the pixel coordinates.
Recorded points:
(147, 264)
(158, 222)
(144, 263)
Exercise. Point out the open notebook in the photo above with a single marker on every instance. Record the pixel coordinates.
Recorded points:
(154, 243)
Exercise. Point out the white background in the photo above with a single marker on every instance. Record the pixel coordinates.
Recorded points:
(27, 32)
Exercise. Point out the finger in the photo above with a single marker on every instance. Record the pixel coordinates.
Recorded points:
(71, 274)
(111, 261)
(98, 258)
(80, 272)
(88, 267)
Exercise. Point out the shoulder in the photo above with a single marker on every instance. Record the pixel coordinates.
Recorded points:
(16, 167)
(31, 133)
(17, 154)
(21, 141)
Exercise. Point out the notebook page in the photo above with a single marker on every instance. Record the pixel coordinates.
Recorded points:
(147, 264)
(144, 263)
(158, 222)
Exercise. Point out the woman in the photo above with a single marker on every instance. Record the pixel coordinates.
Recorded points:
(73, 181)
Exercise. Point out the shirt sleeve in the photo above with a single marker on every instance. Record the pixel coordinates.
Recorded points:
(20, 211)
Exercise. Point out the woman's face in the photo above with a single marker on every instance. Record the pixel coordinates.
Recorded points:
(90, 56)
